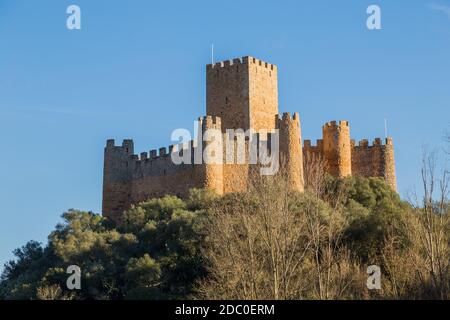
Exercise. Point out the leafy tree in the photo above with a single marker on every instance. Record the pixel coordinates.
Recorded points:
(155, 254)
(142, 277)
(374, 212)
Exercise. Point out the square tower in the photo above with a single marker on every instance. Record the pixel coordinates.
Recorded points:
(243, 92)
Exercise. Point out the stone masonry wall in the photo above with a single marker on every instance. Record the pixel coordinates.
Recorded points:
(227, 91)
(130, 179)
(263, 94)
(376, 160)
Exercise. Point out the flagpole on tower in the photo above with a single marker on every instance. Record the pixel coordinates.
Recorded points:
(212, 53)
(385, 128)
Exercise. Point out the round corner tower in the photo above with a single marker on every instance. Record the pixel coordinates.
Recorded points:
(337, 148)
(211, 170)
(291, 154)
(389, 164)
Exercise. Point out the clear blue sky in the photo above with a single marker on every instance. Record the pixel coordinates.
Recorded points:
(137, 70)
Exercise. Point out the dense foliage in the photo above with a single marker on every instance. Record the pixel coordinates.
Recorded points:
(166, 248)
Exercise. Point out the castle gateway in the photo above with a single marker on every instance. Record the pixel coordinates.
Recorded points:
(240, 94)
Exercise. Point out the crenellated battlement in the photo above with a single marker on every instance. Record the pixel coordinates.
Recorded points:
(287, 117)
(126, 143)
(307, 144)
(336, 124)
(110, 143)
(377, 142)
(260, 63)
(211, 122)
(226, 63)
(127, 149)
(247, 60)
(312, 152)
(190, 146)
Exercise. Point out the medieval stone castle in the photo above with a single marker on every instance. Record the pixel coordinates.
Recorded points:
(240, 94)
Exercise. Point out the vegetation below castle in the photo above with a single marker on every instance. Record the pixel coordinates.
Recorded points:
(266, 243)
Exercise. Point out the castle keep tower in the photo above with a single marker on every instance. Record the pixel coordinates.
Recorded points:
(243, 92)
